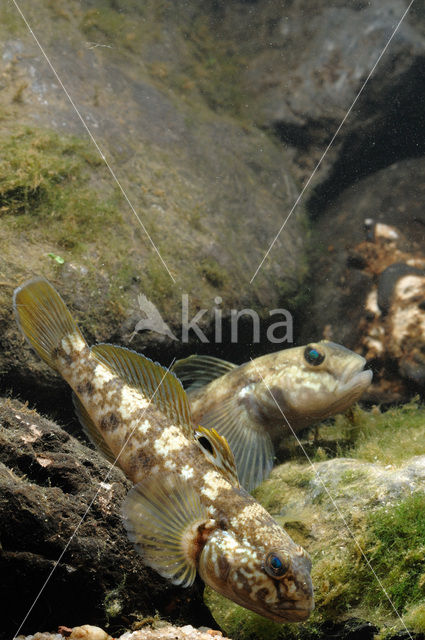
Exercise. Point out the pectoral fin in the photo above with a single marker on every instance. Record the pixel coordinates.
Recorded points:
(251, 445)
(197, 371)
(166, 520)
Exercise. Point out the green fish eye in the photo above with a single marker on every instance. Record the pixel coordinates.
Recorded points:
(275, 565)
(313, 356)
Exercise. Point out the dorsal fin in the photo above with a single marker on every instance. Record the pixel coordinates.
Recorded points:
(197, 371)
(217, 450)
(91, 431)
(156, 382)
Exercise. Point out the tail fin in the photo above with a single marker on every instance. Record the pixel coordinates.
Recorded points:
(43, 318)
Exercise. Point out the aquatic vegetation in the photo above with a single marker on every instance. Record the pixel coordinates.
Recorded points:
(105, 25)
(53, 196)
(216, 275)
(215, 68)
(415, 618)
(395, 542)
(388, 437)
(45, 188)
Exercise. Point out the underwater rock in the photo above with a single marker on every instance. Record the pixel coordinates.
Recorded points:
(53, 486)
(307, 61)
(324, 81)
(348, 511)
(209, 190)
(154, 632)
(371, 292)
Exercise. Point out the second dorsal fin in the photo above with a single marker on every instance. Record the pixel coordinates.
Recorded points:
(156, 382)
(197, 371)
(252, 446)
(217, 450)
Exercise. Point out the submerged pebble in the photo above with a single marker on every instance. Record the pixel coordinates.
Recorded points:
(169, 632)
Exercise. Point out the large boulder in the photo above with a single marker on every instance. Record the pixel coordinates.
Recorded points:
(306, 62)
(64, 551)
(209, 190)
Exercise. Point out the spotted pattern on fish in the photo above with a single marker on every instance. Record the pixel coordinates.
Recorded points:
(187, 512)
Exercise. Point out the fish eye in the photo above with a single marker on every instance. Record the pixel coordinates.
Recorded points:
(275, 565)
(313, 355)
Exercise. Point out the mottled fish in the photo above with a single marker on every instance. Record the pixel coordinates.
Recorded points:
(187, 511)
(246, 403)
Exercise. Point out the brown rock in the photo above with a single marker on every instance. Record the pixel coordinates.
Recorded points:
(60, 525)
(371, 287)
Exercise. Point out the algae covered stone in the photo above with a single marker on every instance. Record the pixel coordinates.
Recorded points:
(361, 516)
(208, 189)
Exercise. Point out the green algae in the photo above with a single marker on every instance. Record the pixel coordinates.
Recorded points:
(352, 476)
(45, 183)
(11, 21)
(415, 618)
(390, 437)
(213, 273)
(53, 198)
(392, 539)
(283, 487)
(395, 544)
(108, 27)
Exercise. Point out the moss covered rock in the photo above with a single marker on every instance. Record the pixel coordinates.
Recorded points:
(362, 519)
(208, 190)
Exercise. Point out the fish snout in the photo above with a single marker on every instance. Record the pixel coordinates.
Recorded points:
(300, 609)
(296, 590)
(355, 375)
(355, 365)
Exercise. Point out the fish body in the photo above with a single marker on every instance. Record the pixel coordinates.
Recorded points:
(187, 511)
(255, 404)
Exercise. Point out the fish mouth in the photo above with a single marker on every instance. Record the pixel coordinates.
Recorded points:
(352, 383)
(355, 377)
(294, 614)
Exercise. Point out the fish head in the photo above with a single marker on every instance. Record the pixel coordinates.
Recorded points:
(319, 380)
(268, 574)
